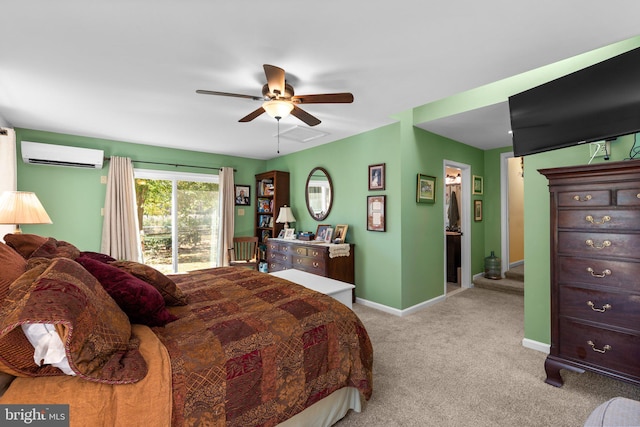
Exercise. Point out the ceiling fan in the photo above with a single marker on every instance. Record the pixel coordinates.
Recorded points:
(279, 99)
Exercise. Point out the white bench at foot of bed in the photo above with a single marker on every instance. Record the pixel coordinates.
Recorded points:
(334, 288)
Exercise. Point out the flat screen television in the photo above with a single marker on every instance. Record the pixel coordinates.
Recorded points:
(596, 103)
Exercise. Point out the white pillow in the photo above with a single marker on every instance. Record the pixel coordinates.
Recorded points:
(49, 349)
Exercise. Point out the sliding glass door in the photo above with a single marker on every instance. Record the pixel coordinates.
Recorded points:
(178, 219)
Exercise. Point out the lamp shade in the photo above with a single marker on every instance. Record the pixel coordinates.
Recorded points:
(277, 109)
(285, 216)
(22, 207)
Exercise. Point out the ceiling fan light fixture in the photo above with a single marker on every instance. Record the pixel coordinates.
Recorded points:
(277, 109)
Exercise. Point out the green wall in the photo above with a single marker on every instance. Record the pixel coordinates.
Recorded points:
(403, 266)
(73, 197)
(378, 257)
(492, 204)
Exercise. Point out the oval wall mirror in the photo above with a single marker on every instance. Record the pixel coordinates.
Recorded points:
(318, 193)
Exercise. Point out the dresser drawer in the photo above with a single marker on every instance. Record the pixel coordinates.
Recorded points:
(624, 245)
(613, 308)
(628, 197)
(310, 264)
(273, 246)
(615, 274)
(279, 257)
(275, 266)
(309, 251)
(616, 350)
(599, 219)
(584, 198)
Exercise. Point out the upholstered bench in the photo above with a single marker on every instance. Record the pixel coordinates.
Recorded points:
(616, 412)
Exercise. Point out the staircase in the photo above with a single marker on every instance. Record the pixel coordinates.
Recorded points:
(513, 281)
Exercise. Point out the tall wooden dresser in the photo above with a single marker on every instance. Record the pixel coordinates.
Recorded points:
(595, 270)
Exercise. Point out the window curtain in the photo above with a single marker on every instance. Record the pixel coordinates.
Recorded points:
(8, 174)
(120, 236)
(226, 194)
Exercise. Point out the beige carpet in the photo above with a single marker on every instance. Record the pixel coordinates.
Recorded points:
(461, 363)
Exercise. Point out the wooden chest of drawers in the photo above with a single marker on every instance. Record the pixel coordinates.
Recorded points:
(595, 270)
(310, 257)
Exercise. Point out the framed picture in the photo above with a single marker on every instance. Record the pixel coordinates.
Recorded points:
(289, 233)
(477, 184)
(426, 189)
(324, 233)
(376, 177)
(281, 234)
(477, 210)
(341, 233)
(376, 220)
(243, 195)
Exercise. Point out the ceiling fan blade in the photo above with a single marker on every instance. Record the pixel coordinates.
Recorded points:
(252, 115)
(235, 95)
(327, 98)
(275, 78)
(304, 116)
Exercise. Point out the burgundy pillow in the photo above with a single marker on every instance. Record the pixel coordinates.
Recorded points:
(170, 292)
(139, 300)
(97, 256)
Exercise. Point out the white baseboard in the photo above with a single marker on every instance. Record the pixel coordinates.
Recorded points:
(536, 345)
(397, 312)
(516, 263)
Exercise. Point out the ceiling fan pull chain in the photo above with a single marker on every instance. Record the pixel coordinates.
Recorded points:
(278, 120)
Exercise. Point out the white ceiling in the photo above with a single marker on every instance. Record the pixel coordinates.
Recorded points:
(128, 70)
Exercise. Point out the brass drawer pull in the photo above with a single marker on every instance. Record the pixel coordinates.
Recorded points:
(316, 265)
(605, 273)
(590, 219)
(299, 261)
(604, 349)
(285, 249)
(300, 251)
(579, 199)
(638, 196)
(599, 310)
(284, 258)
(604, 244)
(315, 253)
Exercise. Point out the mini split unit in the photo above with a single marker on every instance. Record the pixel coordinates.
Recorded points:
(61, 155)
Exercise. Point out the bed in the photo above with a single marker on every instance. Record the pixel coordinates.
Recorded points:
(216, 347)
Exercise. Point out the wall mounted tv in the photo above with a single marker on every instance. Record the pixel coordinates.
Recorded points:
(593, 104)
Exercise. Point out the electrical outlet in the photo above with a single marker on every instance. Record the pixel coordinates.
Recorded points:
(599, 149)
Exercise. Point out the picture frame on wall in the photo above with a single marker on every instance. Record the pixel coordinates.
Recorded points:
(477, 210)
(243, 195)
(376, 177)
(426, 189)
(376, 217)
(477, 184)
(324, 233)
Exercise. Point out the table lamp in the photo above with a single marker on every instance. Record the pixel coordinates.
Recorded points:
(22, 207)
(285, 216)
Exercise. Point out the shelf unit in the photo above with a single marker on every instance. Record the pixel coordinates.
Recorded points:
(272, 193)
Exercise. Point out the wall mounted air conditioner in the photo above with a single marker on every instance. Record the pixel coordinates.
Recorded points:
(61, 155)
